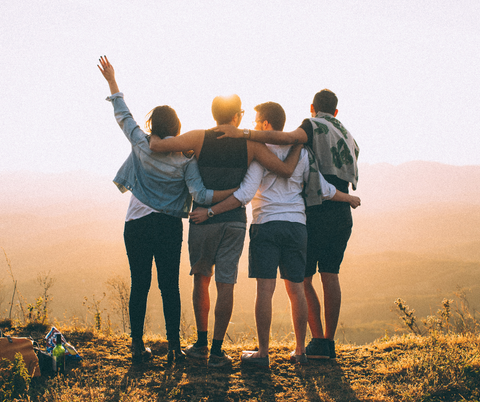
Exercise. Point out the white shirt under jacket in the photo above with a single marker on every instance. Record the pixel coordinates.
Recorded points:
(276, 198)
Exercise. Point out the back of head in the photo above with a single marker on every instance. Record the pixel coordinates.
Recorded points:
(224, 108)
(273, 113)
(325, 101)
(163, 122)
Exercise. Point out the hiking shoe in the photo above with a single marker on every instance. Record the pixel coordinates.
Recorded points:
(196, 352)
(298, 359)
(248, 359)
(139, 352)
(219, 361)
(333, 354)
(318, 349)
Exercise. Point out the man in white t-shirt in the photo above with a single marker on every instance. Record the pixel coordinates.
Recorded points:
(278, 235)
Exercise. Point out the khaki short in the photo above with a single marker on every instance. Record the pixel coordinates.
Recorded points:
(219, 245)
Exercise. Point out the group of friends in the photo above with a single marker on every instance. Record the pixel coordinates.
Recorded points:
(298, 187)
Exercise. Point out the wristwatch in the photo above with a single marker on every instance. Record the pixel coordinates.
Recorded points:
(210, 212)
(246, 133)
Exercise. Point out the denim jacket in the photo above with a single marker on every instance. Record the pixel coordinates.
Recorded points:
(163, 181)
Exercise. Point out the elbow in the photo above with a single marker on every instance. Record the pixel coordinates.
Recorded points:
(286, 174)
(154, 146)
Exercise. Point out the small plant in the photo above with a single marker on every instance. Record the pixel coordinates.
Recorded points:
(15, 290)
(408, 316)
(120, 298)
(14, 379)
(94, 308)
(457, 320)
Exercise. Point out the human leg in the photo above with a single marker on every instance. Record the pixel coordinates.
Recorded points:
(223, 309)
(263, 314)
(332, 301)
(167, 250)
(202, 243)
(140, 256)
(299, 307)
(232, 236)
(314, 308)
(329, 229)
(201, 301)
(201, 308)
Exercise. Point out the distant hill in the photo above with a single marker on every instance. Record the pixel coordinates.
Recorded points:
(384, 186)
(416, 236)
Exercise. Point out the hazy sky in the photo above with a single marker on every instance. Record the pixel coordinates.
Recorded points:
(406, 73)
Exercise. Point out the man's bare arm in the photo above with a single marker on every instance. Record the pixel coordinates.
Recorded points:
(344, 197)
(199, 215)
(271, 162)
(220, 195)
(192, 140)
(297, 136)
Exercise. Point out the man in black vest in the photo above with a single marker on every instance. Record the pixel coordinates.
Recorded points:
(219, 240)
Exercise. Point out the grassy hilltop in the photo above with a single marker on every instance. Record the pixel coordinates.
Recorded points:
(432, 367)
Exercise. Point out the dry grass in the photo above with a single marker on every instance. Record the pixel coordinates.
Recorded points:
(407, 368)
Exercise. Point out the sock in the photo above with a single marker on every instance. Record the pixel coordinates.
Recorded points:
(217, 347)
(201, 339)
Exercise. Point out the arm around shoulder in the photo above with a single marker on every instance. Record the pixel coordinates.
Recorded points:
(181, 143)
(271, 162)
(297, 136)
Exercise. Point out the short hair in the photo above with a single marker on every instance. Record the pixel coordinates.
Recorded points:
(325, 101)
(163, 121)
(273, 113)
(224, 108)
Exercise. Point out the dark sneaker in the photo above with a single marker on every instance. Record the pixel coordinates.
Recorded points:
(333, 354)
(248, 359)
(318, 349)
(139, 352)
(219, 361)
(196, 352)
(298, 359)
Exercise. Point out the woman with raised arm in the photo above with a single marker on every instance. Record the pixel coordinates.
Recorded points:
(161, 184)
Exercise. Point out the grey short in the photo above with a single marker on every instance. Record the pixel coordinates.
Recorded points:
(218, 244)
(278, 244)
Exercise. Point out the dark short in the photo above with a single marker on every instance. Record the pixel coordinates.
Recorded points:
(278, 244)
(328, 232)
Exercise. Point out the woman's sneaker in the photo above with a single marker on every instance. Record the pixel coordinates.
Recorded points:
(319, 349)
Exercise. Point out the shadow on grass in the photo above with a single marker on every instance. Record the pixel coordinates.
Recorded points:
(326, 380)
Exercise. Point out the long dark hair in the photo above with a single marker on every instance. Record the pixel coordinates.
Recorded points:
(163, 122)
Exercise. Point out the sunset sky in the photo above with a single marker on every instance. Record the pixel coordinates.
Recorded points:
(406, 73)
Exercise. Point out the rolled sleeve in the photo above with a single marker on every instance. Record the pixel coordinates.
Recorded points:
(328, 189)
(195, 183)
(250, 183)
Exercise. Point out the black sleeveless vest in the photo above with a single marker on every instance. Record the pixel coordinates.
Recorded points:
(223, 164)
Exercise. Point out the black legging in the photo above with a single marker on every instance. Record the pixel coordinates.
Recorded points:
(160, 236)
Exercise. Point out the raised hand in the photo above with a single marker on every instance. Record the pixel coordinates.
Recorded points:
(109, 73)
